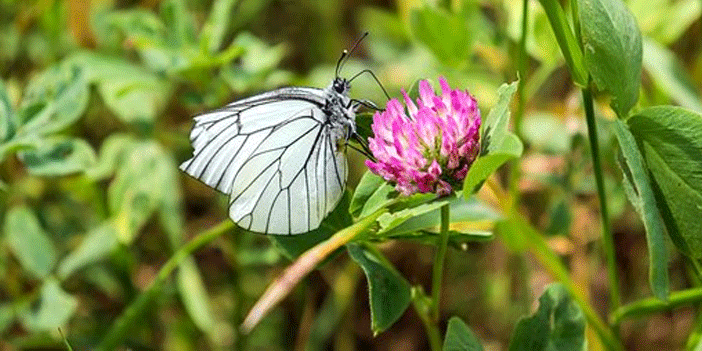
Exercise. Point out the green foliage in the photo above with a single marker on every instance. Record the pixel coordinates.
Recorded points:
(430, 25)
(55, 308)
(558, 324)
(668, 73)
(670, 139)
(612, 50)
(497, 144)
(57, 156)
(460, 338)
(29, 242)
(641, 195)
(388, 292)
(85, 235)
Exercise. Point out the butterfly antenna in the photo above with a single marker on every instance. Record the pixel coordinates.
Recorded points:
(375, 78)
(347, 53)
(344, 54)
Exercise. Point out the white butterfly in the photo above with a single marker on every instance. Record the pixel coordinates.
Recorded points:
(279, 155)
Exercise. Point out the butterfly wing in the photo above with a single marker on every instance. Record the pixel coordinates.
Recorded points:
(276, 158)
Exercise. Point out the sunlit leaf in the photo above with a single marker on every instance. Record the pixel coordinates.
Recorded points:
(53, 100)
(494, 127)
(29, 242)
(194, 295)
(57, 156)
(636, 174)
(112, 153)
(447, 35)
(388, 291)
(7, 115)
(138, 188)
(612, 50)
(558, 324)
(459, 337)
(97, 245)
(55, 308)
(668, 73)
(670, 139)
(486, 165)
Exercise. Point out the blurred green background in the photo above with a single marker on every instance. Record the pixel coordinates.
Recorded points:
(96, 103)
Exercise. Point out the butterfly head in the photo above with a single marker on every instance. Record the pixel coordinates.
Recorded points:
(341, 86)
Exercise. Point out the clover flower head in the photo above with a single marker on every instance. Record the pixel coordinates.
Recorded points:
(428, 146)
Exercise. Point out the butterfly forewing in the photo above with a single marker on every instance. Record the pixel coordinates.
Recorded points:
(276, 157)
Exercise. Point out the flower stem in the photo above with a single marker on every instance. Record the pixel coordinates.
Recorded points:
(438, 269)
(653, 305)
(423, 310)
(144, 301)
(607, 236)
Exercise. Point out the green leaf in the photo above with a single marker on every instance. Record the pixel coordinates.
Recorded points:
(7, 315)
(28, 241)
(53, 100)
(293, 246)
(388, 291)
(55, 308)
(668, 73)
(612, 50)
(637, 176)
(566, 41)
(486, 165)
(463, 214)
(131, 92)
(97, 245)
(112, 153)
(372, 193)
(390, 220)
(447, 35)
(138, 188)
(494, 128)
(57, 156)
(558, 324)
(8, 123)
(670, 139)
(215, 28)
(195, 299)
(459, 337)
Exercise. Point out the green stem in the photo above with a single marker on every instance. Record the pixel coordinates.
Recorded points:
(421, 304)
(144, 301)
(607, 236)
(438, 269)
(654, 305)
(566, 41)
(514, 171)
(522, 68)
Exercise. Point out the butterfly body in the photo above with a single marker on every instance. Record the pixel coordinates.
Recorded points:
(278, 155)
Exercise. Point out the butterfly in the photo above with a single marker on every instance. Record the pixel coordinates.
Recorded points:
(280, 155)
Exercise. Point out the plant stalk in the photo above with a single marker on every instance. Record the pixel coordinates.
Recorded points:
(654, 305)
(607, 236)
(144, 301)
(438, 269)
